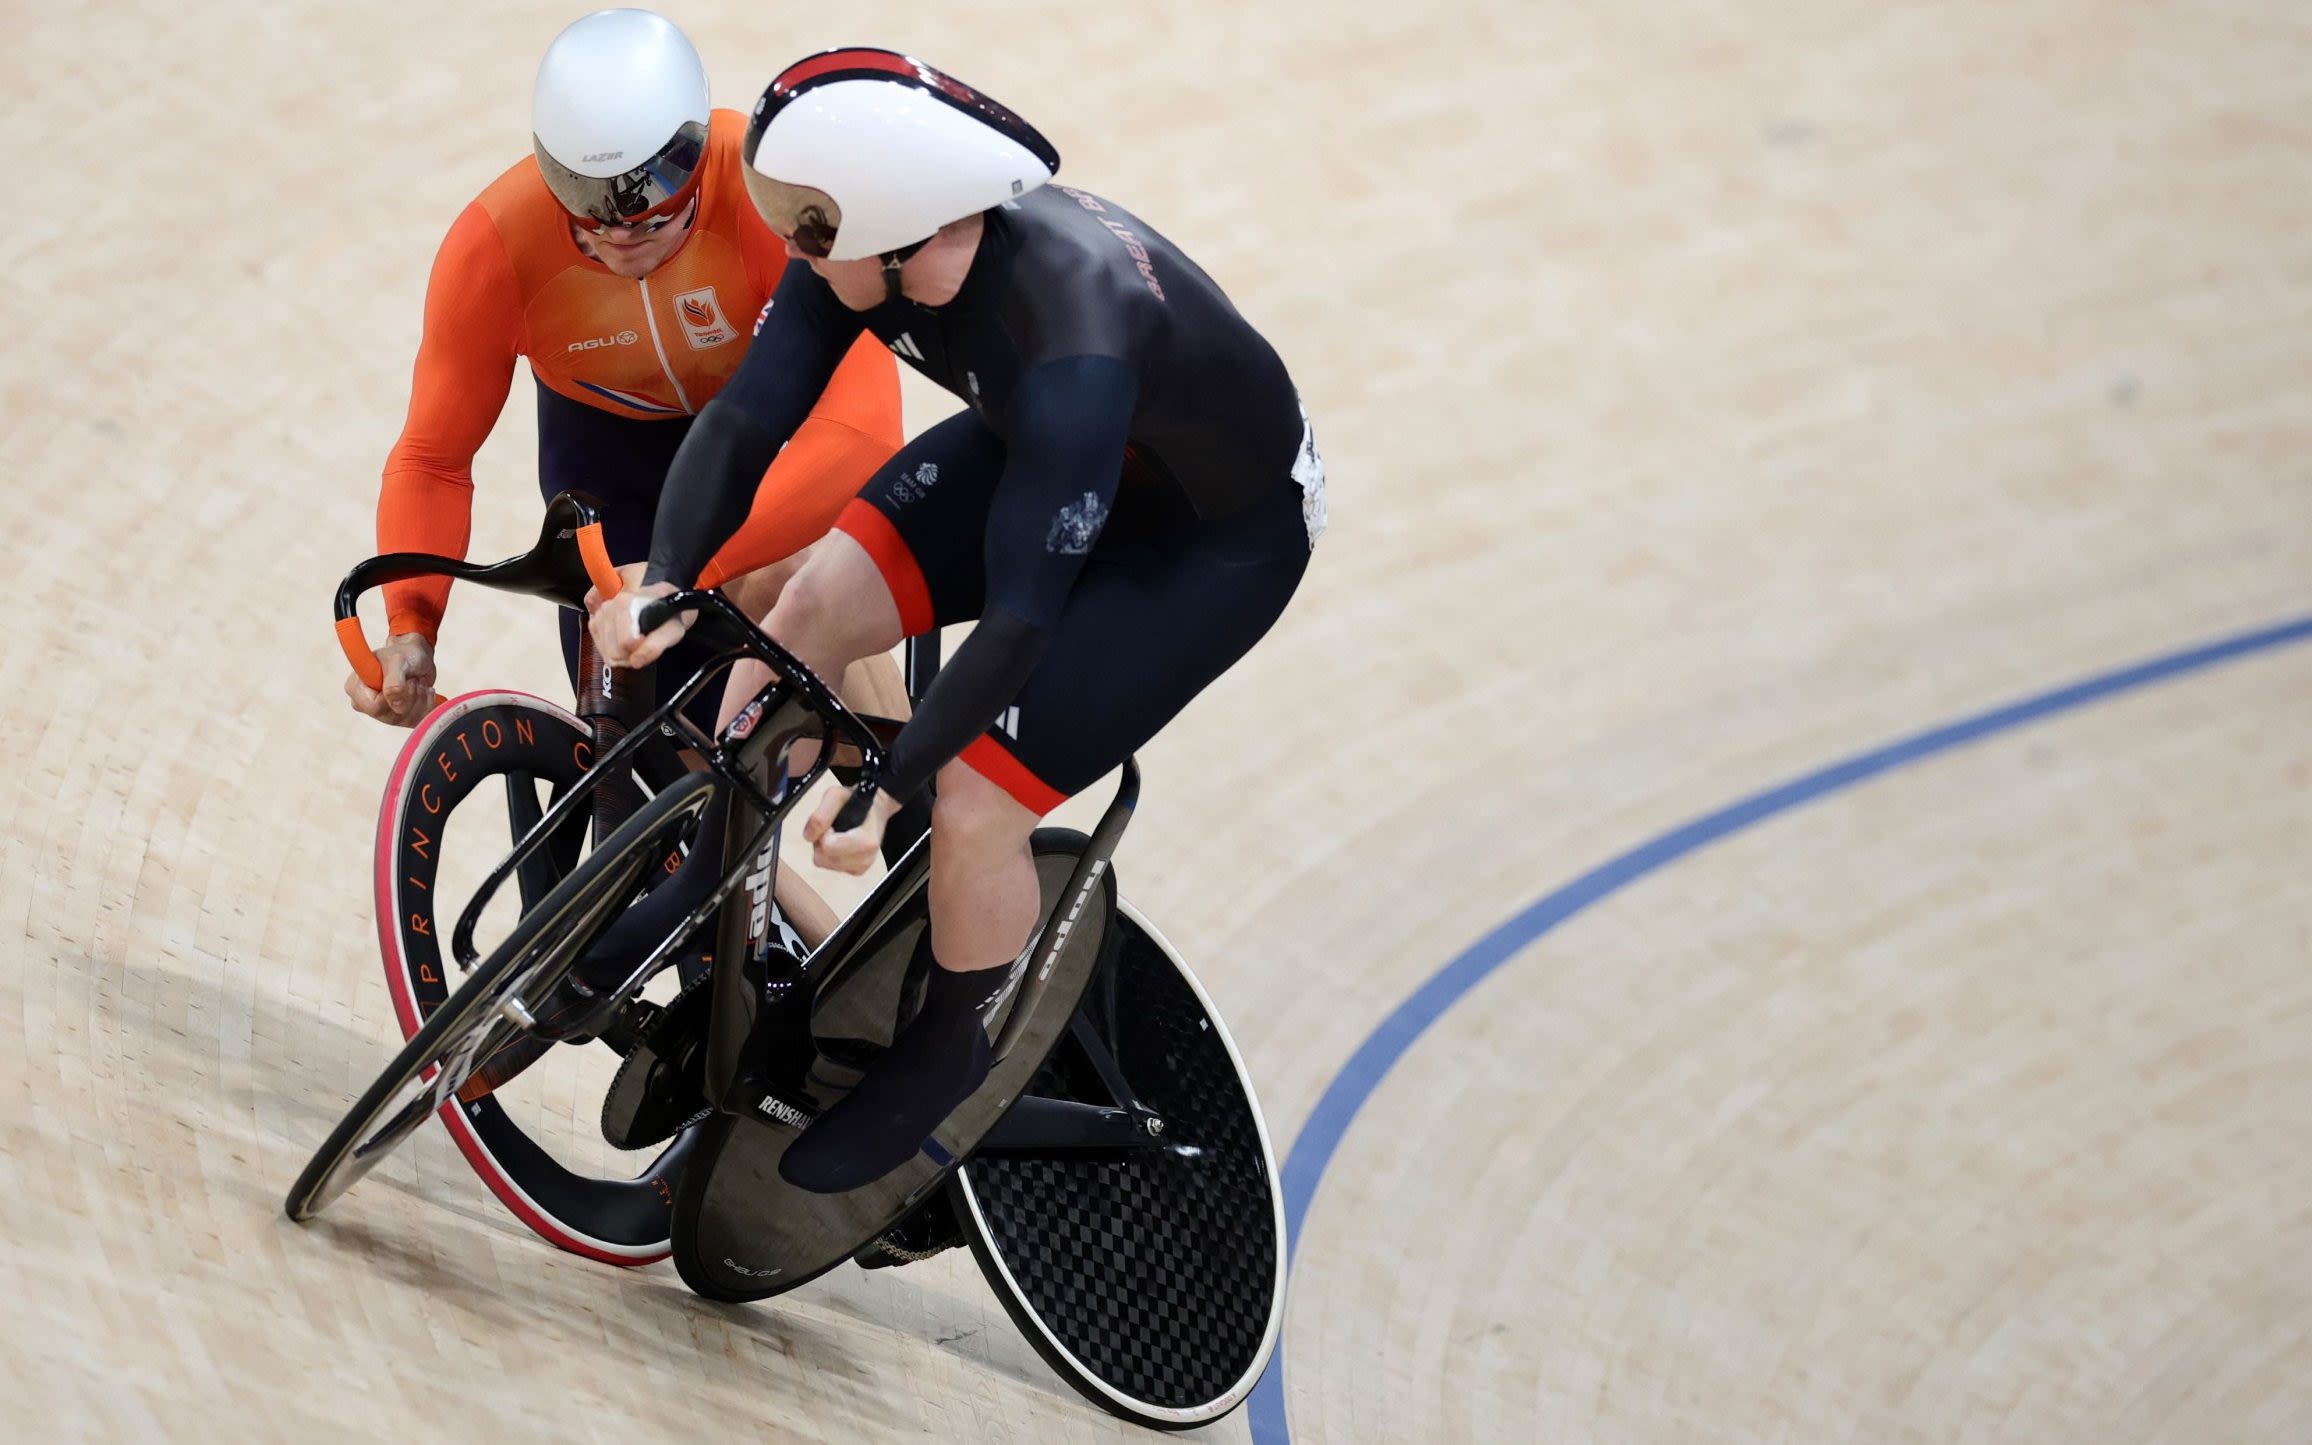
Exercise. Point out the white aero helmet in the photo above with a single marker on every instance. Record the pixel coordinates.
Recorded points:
(859, 152)
(620, 119)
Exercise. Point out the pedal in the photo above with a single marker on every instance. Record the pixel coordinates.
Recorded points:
(931, 1229)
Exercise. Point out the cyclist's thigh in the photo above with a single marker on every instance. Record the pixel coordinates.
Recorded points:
(1150, 623)
(923, 521)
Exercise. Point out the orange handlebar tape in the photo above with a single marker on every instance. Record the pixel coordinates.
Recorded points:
(606, 578)
(365, 663)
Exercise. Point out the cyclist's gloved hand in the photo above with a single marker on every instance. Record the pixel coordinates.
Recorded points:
(852, 851)
(616, 636)
(408, 694)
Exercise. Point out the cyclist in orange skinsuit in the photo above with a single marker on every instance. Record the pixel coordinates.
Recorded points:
(629, 328)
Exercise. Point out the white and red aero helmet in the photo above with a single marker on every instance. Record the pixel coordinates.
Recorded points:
(620, 117)
(860, 152)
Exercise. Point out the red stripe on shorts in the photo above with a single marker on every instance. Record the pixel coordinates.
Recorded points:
(865, 524)
(988, 758)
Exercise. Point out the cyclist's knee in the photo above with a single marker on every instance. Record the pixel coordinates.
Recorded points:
(971, 809)
(873, 684)
(817, 609)
(805, 622)
(837, 601)
(757, 592)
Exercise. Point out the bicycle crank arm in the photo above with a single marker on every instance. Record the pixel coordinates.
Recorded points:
(1037, 1124)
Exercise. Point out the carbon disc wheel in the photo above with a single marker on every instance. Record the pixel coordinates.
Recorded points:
(1151, 1279)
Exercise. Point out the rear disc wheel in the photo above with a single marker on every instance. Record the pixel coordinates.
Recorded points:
(1151, 1279)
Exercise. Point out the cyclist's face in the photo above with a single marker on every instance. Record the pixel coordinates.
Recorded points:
(632, 251)
(857, 284)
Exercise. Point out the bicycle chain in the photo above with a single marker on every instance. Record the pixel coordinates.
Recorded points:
(904, 1255)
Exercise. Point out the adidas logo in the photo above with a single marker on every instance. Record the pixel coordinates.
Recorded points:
(906, 347)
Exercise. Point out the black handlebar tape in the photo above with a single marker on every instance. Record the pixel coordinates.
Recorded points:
(854, 811)
(652, 615)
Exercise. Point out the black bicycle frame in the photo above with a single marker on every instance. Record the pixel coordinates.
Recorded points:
(794, 707)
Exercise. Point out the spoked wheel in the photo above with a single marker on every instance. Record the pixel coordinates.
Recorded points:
(472, 778)
(741, 1232)
(473, 1023)
(1151, 1278)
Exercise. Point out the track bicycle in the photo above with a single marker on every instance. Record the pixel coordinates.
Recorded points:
(1116, 1181)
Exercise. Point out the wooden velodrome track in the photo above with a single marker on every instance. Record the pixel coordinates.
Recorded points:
(1712, 393)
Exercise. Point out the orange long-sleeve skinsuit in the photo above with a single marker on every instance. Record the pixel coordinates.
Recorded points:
(622, 365)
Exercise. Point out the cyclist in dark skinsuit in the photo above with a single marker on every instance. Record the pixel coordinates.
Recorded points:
(1125, 508)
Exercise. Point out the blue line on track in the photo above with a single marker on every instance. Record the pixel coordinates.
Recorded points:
(1344, 1098)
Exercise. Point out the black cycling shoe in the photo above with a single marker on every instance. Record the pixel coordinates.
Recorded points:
(879, 1125)
(883, 1121)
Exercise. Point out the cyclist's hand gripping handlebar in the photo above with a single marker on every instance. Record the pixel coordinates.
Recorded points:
(535, 571)
(855, 808)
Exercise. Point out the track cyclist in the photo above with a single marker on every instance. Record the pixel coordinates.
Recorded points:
(625, 263)
(1125, 506)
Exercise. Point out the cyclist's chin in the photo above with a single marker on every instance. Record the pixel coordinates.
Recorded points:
(632, 262)
(857, 284)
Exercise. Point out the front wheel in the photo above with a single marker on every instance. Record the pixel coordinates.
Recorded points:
(472, 780)
(470, 1026)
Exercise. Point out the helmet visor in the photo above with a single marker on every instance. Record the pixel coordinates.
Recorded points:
(805, 217)
(658, 187)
